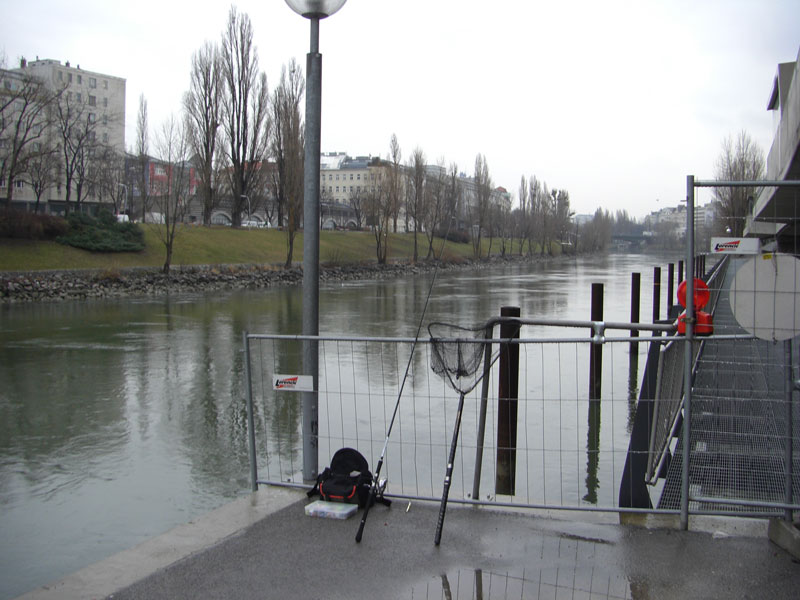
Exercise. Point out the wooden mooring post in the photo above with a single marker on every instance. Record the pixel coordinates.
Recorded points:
(508, 394)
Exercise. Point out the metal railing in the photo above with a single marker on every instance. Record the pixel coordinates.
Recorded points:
(569, 450)
(668, 398)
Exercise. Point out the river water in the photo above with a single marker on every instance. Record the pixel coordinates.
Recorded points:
(120, 419)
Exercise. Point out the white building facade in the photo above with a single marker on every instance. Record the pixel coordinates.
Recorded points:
(85, 100)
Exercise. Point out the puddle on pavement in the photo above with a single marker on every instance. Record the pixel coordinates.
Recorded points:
(544, 584)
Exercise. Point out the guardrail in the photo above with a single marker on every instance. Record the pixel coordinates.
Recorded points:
(569, 450)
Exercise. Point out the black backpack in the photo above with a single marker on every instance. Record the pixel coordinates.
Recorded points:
(348, 479)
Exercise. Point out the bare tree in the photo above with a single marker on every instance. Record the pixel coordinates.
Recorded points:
(479, 208)
(378, 207)
(142, 151)
(357, 200)
(109, 177)
(416, 192)
(171, 183)
(245, 110)
(395, 182)
(25, 104)
(42, 170)
(522, 222)
(202, 105)
(563, 214)
(453, 197)
(288, 149)
(535, 214)
(76, 131)
(435, 203)
(740, 160)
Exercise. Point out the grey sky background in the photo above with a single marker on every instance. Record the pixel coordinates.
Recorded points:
(614, 101)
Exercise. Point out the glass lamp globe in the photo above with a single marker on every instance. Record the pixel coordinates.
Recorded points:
(315, 8)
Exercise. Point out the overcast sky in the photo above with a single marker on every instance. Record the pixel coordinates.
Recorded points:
(615, 101)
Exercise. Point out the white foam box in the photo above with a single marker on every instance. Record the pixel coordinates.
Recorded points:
(330, 510)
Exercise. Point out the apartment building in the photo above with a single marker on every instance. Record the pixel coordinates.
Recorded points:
(94, 103)
(342, 178)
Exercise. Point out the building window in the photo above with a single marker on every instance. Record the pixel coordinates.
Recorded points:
(78, 97)
(351, 177)
(358, 188)
(92, 101)
(80, 79)
(92, 82)
(69, 77)
(105, 85)
(105, 138)
(358, 177)
(61, 75)
(19, 184)
(337, 189)
(91, 117)
(105, 119)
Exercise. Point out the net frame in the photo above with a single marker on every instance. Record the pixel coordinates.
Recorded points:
(457, 353)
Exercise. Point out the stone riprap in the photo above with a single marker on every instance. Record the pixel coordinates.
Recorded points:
(47, 286)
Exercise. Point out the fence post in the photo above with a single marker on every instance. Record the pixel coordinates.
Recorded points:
(251, 432)
(687, 366)
(505, 479)
(487, 363)
(789, 449)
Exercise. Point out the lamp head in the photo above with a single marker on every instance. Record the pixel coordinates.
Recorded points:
(315, 8)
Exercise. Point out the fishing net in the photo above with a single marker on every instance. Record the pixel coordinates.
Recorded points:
(457, 353)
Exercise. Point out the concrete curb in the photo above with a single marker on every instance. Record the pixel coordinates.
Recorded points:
(786, 535)
(102, 579)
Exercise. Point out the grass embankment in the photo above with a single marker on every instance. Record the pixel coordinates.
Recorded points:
(221, 245)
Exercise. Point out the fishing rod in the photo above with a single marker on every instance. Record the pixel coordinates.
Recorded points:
(373, 489)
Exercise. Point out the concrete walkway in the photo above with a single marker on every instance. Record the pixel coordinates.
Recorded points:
(263, 546)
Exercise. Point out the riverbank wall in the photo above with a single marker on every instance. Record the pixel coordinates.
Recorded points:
(54, 286)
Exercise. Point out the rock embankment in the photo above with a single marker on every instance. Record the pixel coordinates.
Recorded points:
(38, 286)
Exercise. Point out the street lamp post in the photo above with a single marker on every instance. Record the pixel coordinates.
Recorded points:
(314, 11)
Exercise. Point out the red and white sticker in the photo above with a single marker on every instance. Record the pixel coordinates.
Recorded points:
(721, 245)
(293, 383)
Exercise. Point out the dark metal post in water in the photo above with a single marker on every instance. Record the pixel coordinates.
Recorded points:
(596, 348)
(505, 480)
(670, 287)
(636, 285)
(656, 293)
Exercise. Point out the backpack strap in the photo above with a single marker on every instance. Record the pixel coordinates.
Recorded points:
(320, 478)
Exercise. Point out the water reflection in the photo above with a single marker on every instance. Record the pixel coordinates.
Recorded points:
(120, 419)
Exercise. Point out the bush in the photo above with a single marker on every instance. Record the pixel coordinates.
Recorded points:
(460, 236)
(24, 225)
(102, 234)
